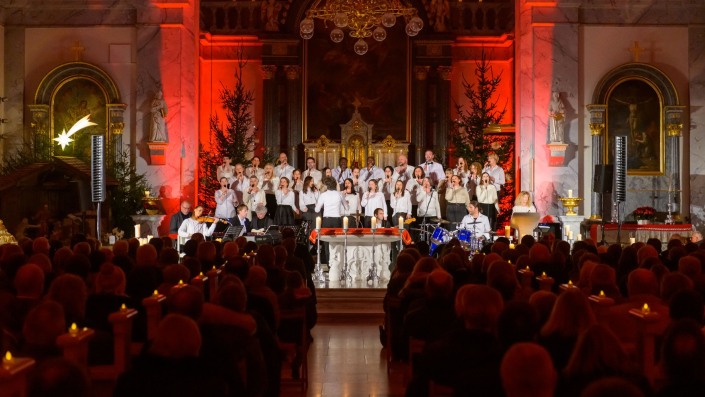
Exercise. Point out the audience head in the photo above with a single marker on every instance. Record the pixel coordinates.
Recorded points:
(70, 291)
(642, 282)
(41, 245)
(527, 371)
(29, 281)
(58, 377)
(256, 277)
(188, 301)
(232, 294)
(110, 280)
(439, 285)
(597, 351)
(146, 255)
(175, 273)
(612, 387)
(543, 301)
(672, 283)
(478, 306)
(177, 337)
(230, 250)
(518, 322)
(687, 303)
(571, 315)
(683, 352)
(43, 324)
(206, 252)
(121, 247)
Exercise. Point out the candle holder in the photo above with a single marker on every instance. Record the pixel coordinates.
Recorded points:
(373, 276)
(317, 271)
(569, 203)
(345, 274)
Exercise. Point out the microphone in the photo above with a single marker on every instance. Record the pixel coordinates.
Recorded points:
(433, 188)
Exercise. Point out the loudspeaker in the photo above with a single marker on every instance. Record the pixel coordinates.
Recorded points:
(602, 178)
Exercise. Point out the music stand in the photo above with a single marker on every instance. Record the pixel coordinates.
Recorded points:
(232, 232)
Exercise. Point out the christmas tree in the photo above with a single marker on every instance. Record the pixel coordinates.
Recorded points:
(233, 137)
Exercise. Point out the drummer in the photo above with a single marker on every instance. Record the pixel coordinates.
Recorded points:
(478, 223)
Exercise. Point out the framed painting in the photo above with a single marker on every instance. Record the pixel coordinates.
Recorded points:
(72, 100)
(635, 110)
(337, 81)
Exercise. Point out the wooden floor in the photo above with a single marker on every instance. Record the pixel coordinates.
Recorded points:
(347, 359)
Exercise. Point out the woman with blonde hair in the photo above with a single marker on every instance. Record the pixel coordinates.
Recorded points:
(523, 203)
(269, 184)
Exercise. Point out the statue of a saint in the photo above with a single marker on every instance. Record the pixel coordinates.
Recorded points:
(556, 112)
(270, 15)
(439, 12)
(159, 112)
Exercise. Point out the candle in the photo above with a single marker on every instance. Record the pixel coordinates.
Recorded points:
(181, 282)
(156, 293)
(345, 223)
(632, 240)
(318, 222)
(602, 294)
(645, 309)
(146, 193)
(73, 331)
(580, 237)
(506, 231)
(8, 358)
(401, 222)
(123, 307)
(137, 231)
(149, 237)
(570, 283)
(511, 247)
(570, 235)
(567, 229)
(374, 222)
(570, 192)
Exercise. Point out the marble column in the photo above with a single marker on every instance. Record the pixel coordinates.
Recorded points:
(418, 123)
(597, 128)
(694, 187)
(271, 109)
(674, 132)
(295, 128)
(443, 114)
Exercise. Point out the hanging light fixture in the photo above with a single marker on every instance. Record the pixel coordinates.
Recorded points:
(361, 18)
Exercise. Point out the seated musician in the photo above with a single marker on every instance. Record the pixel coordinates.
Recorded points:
(241, 219)
(475, 221)
(178, 218)
(261, 221)
(195, 224)
(381, 219)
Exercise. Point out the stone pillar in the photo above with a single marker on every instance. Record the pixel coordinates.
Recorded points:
(442, 114)
(418, 121)
(271, 109)
(674, 132)
(40, 131)
(116, 121)
(295, 128)
(597, 128)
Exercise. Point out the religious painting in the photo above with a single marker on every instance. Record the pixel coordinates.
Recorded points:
(634, 109)
(72, 100)
(337, 81)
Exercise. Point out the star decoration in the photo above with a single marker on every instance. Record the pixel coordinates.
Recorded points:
(65, 137)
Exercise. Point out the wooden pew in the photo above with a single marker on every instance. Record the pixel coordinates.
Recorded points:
(213, 278)
(153, 308)
(651, 326)
(300, 348)
(13, 375)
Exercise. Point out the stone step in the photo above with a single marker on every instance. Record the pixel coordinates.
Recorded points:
(342, 304)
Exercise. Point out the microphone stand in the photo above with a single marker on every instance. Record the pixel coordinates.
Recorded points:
(317, 271)
(373, 276)
(344, 262)
(425, 216)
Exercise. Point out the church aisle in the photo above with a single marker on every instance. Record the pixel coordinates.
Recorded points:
(346, 359)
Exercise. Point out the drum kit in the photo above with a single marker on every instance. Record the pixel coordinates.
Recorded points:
(437, 235)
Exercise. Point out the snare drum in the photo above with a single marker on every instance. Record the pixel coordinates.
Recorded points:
(440, 236)
(464, 236)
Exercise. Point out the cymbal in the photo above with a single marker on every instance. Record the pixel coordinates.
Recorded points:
(439, 220)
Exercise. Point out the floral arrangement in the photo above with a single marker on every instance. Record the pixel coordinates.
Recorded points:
(645, 213)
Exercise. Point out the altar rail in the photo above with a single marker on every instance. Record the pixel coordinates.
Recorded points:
(641, 232)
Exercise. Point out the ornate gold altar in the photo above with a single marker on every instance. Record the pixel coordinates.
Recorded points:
(356, 145)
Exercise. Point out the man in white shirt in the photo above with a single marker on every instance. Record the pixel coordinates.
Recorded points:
(478, 223)
(432, 169)
(312, 172)
(496, 172)
(342, 172)
(283, 170)
(403, 171)
(371, 171)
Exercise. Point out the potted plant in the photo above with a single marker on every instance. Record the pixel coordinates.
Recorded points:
(644, 215)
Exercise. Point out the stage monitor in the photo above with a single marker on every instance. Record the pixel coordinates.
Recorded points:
(551, 227)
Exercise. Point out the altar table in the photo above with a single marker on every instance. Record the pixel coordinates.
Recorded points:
(641, 233)
(360, 246)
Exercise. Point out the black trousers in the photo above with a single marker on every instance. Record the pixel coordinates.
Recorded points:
(328, 222)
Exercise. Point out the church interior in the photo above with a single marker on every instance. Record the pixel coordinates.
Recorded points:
(116, 119)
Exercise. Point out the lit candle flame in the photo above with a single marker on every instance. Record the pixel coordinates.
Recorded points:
(181, 282)
(543, 275)
(645, 309)
(123, 307)
(155, 293)
(570, 283)
(602, 294)
(200, 274)
(8, 357)
(74, 329)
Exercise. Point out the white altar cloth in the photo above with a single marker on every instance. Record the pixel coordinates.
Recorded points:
(359, 255)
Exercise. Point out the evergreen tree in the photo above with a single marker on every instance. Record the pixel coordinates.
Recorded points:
(234, 138)
(126, 197)
(469, 140)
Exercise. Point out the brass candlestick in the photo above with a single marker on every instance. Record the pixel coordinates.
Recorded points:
(569, 203)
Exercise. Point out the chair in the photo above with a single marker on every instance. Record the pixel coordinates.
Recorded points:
(524, 222)
(393, 306)
(296, 318)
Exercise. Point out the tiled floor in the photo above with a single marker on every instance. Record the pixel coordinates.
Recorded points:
(347, 359)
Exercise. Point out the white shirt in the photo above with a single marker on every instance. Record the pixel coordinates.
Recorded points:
(497, 173)
(315, 174)
(372, 173)
(307, 199)
(388, 188)
(239, 186)
(190, 226)
(284, 172)
(481, 227)
(413, 187)
(430, 202)
(405, 175)
(434, 171)
(258, 172)
(269, 185)
(401, 204)
(225, 203)
(286, 199)
(487, 195)
(351, 204)
(372, 201)
(252, 200)
(521, 208)
(341, 175)
(331, 203)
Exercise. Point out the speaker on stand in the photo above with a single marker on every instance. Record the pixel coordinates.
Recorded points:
(602, 184)
(98, 176)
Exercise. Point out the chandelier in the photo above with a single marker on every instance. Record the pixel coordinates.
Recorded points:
(362, 19)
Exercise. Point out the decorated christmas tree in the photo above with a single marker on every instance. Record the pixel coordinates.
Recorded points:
(469, 138)
(233, 137)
